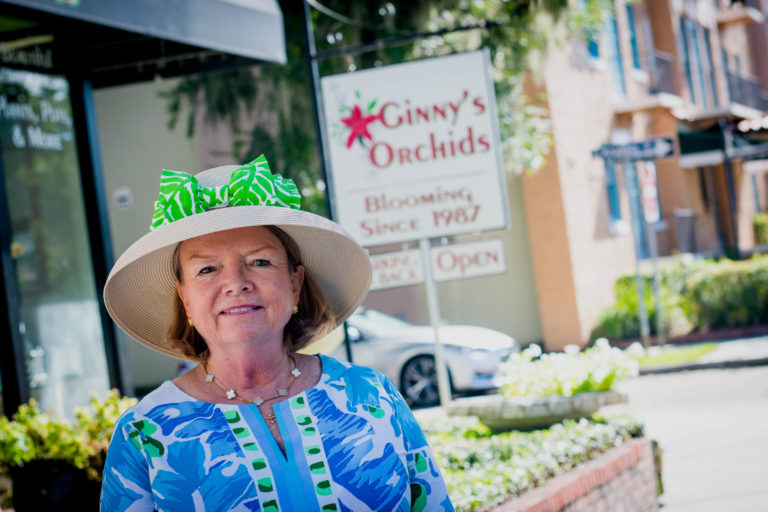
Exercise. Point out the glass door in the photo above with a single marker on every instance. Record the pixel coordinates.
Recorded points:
(60, 322)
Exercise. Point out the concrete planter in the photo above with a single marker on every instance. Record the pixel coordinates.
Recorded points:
(526, 413)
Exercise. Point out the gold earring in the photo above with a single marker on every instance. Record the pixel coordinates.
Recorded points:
(189, 321)
(295, 309)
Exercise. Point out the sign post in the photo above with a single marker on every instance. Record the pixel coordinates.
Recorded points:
(649, 191)
(633, 191)
(415, 155)
(644, 153)
(433, 304)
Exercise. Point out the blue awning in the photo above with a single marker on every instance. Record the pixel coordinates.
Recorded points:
(247, 28)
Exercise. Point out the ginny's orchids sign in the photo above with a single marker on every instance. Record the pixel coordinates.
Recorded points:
(414, 150)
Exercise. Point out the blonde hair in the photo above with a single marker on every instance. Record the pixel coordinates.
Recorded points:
(314, 318)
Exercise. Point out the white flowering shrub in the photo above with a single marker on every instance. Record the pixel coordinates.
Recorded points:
(566, 373)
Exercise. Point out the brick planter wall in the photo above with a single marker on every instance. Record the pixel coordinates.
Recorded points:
(622, 479)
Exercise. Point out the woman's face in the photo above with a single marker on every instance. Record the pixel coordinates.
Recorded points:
(238, 287)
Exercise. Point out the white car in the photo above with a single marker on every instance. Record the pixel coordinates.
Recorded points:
(405, 353)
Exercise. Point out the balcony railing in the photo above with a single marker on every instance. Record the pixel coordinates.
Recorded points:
(745, 90)
(662, 74)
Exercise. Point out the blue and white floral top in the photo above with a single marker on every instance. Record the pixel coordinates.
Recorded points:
(351, 444)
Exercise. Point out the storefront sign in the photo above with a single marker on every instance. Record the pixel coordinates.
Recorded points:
(34, 52)
(394, 269)
(414, 150)
(32, 117)
(475, 259)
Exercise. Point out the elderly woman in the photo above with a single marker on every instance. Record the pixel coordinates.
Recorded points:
(234, 276)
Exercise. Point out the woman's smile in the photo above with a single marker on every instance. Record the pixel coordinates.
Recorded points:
(240, 310)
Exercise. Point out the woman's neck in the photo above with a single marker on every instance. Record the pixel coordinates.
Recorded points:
(249, 369)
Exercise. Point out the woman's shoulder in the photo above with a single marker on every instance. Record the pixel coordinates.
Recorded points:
(360, 384)
(167, 400)
(336, 369)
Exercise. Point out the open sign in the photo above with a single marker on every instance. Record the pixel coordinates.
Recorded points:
(474, 259)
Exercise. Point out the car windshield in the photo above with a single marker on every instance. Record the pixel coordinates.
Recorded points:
(376, 321)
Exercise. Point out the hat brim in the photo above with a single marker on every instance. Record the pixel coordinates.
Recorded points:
(141, 288)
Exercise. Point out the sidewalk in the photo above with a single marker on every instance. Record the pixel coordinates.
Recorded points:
(733, 353)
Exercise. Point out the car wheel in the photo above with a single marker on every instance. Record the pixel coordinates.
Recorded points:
(418, 382)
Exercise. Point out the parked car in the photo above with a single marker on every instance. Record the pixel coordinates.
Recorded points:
(406, 354)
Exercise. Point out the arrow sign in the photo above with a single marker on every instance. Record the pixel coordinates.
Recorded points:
(651, 149)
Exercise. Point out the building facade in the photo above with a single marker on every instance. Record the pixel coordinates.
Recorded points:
(686, 70)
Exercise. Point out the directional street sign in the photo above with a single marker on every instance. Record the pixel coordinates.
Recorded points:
(651, 149)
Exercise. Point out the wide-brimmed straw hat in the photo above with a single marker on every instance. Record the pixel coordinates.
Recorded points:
(141, 288)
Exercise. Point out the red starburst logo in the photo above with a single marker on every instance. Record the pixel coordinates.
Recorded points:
(358, 122)
(358, 125)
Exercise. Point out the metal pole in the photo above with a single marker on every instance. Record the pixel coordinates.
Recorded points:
(13, 363)
(434, 317)
(730, 186)
(317, 102)
(654, 249)
(650, 218)
(645, 330)
(636, 217)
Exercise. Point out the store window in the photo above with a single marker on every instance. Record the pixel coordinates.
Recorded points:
(617, 66)
(686, 59)
(710, 65)
(633, 38)
(738, 89)
(61, 326)
(593, 47)
(612, 191)
(693, 35)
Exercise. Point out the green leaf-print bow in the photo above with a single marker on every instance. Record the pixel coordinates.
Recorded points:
(181, 195)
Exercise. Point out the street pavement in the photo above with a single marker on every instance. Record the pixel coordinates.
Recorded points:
(712, 425)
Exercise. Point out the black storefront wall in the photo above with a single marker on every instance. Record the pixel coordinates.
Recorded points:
(108, 42)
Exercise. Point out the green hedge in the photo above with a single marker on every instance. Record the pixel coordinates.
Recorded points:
(760, 228)
(730, 294)
(701, 296)
(483, 470)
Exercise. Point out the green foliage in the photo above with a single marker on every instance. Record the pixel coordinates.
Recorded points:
(34, 434)
(760, 228)
(531, 373)
(730, 294)
(701, 296)
(483, 470)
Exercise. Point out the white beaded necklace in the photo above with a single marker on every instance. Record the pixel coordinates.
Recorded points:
(232, 394)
